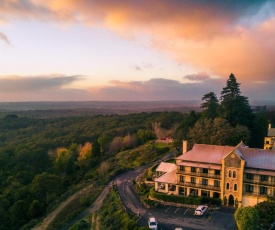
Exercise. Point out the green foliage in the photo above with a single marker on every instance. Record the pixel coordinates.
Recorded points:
(210, 106)
(96, 149)
(184, 199)
(145, 135)
(266, 212)
(46, 187)
(217, 132)
(113, 216)
(182, 131)
(234, 107)
(81, 225)
(36, 209)
(247, 218)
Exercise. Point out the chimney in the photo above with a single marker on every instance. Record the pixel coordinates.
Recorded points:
(269, 126)
(184, 146)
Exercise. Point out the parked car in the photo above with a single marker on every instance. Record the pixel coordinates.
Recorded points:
(152, 223)
(201, 210)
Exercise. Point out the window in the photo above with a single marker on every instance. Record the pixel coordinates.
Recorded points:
(264, 178)
(216, 183)
(217, 172)
(263, 190)
(234, 174)
(193, 180)
(249, 176)
(235, 187)
(227, 186)
(181, 178)
(181, 168)
(230, 174)
(193, 169)
(205, 181)
(204, 170)
(249, 188)
(267, 142)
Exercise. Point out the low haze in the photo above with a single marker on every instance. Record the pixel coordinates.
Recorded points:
(82, 50)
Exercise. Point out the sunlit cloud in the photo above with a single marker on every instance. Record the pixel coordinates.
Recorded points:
(218, 36)
(13, 84)
(153, 89)
(201, 76)
(59, 88)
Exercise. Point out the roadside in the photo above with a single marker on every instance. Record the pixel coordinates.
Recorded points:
(97, 204)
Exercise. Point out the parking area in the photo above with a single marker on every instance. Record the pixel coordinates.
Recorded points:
(170, 217)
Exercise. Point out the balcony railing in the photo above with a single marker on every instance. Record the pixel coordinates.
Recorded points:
(254, 194)
(260, 182)
(199, 174)
(199, 185)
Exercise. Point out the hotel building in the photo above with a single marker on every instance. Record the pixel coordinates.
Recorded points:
(240, 176)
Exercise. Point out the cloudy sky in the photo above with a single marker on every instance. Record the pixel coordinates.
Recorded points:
(60, 50)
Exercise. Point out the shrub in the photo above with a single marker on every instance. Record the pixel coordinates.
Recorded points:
(184, 199)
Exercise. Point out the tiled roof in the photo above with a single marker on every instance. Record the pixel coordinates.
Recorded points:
(259, 158)
(206, 153)
(213, 154)
(271, 132)
(170, 177)
(166, 167)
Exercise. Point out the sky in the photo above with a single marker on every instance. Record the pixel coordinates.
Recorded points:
(135, 50)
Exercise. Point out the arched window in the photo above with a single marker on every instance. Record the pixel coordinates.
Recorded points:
(235, 187)
(230, 173)
(234, 174)
(227, 186)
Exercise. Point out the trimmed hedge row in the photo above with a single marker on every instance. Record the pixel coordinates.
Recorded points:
(185, 199)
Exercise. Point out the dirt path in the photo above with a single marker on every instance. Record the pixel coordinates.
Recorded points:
(92, 209)
(49, 219)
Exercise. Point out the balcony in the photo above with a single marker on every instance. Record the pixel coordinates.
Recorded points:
(199, 185)
(254, 194)
(259, 182)
(199, 174)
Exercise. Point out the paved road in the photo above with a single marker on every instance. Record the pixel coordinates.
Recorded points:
(168, 217)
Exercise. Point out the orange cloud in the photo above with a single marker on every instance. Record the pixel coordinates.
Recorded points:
(216, 36)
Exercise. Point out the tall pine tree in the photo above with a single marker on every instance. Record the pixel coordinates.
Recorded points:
(210, 105)
(234, 107)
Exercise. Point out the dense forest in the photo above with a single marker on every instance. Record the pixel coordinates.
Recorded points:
(43, 160)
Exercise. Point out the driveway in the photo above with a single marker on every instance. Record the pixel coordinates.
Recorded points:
(170, 217)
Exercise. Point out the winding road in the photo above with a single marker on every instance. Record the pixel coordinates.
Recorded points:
(168, 217)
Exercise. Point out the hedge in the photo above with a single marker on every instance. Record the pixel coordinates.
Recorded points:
(185, 199)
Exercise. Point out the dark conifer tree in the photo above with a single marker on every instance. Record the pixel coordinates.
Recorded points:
(234, 107)
(210, 105)
(96, 149)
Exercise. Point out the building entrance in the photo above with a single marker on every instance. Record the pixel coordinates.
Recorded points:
(231, 200)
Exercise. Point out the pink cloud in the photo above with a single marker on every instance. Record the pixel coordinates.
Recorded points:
(209, 35)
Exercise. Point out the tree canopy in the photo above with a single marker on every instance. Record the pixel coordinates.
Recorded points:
(210, 105)
(234, 107)
(246, 218)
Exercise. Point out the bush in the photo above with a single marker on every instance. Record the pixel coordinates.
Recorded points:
(184, 199)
